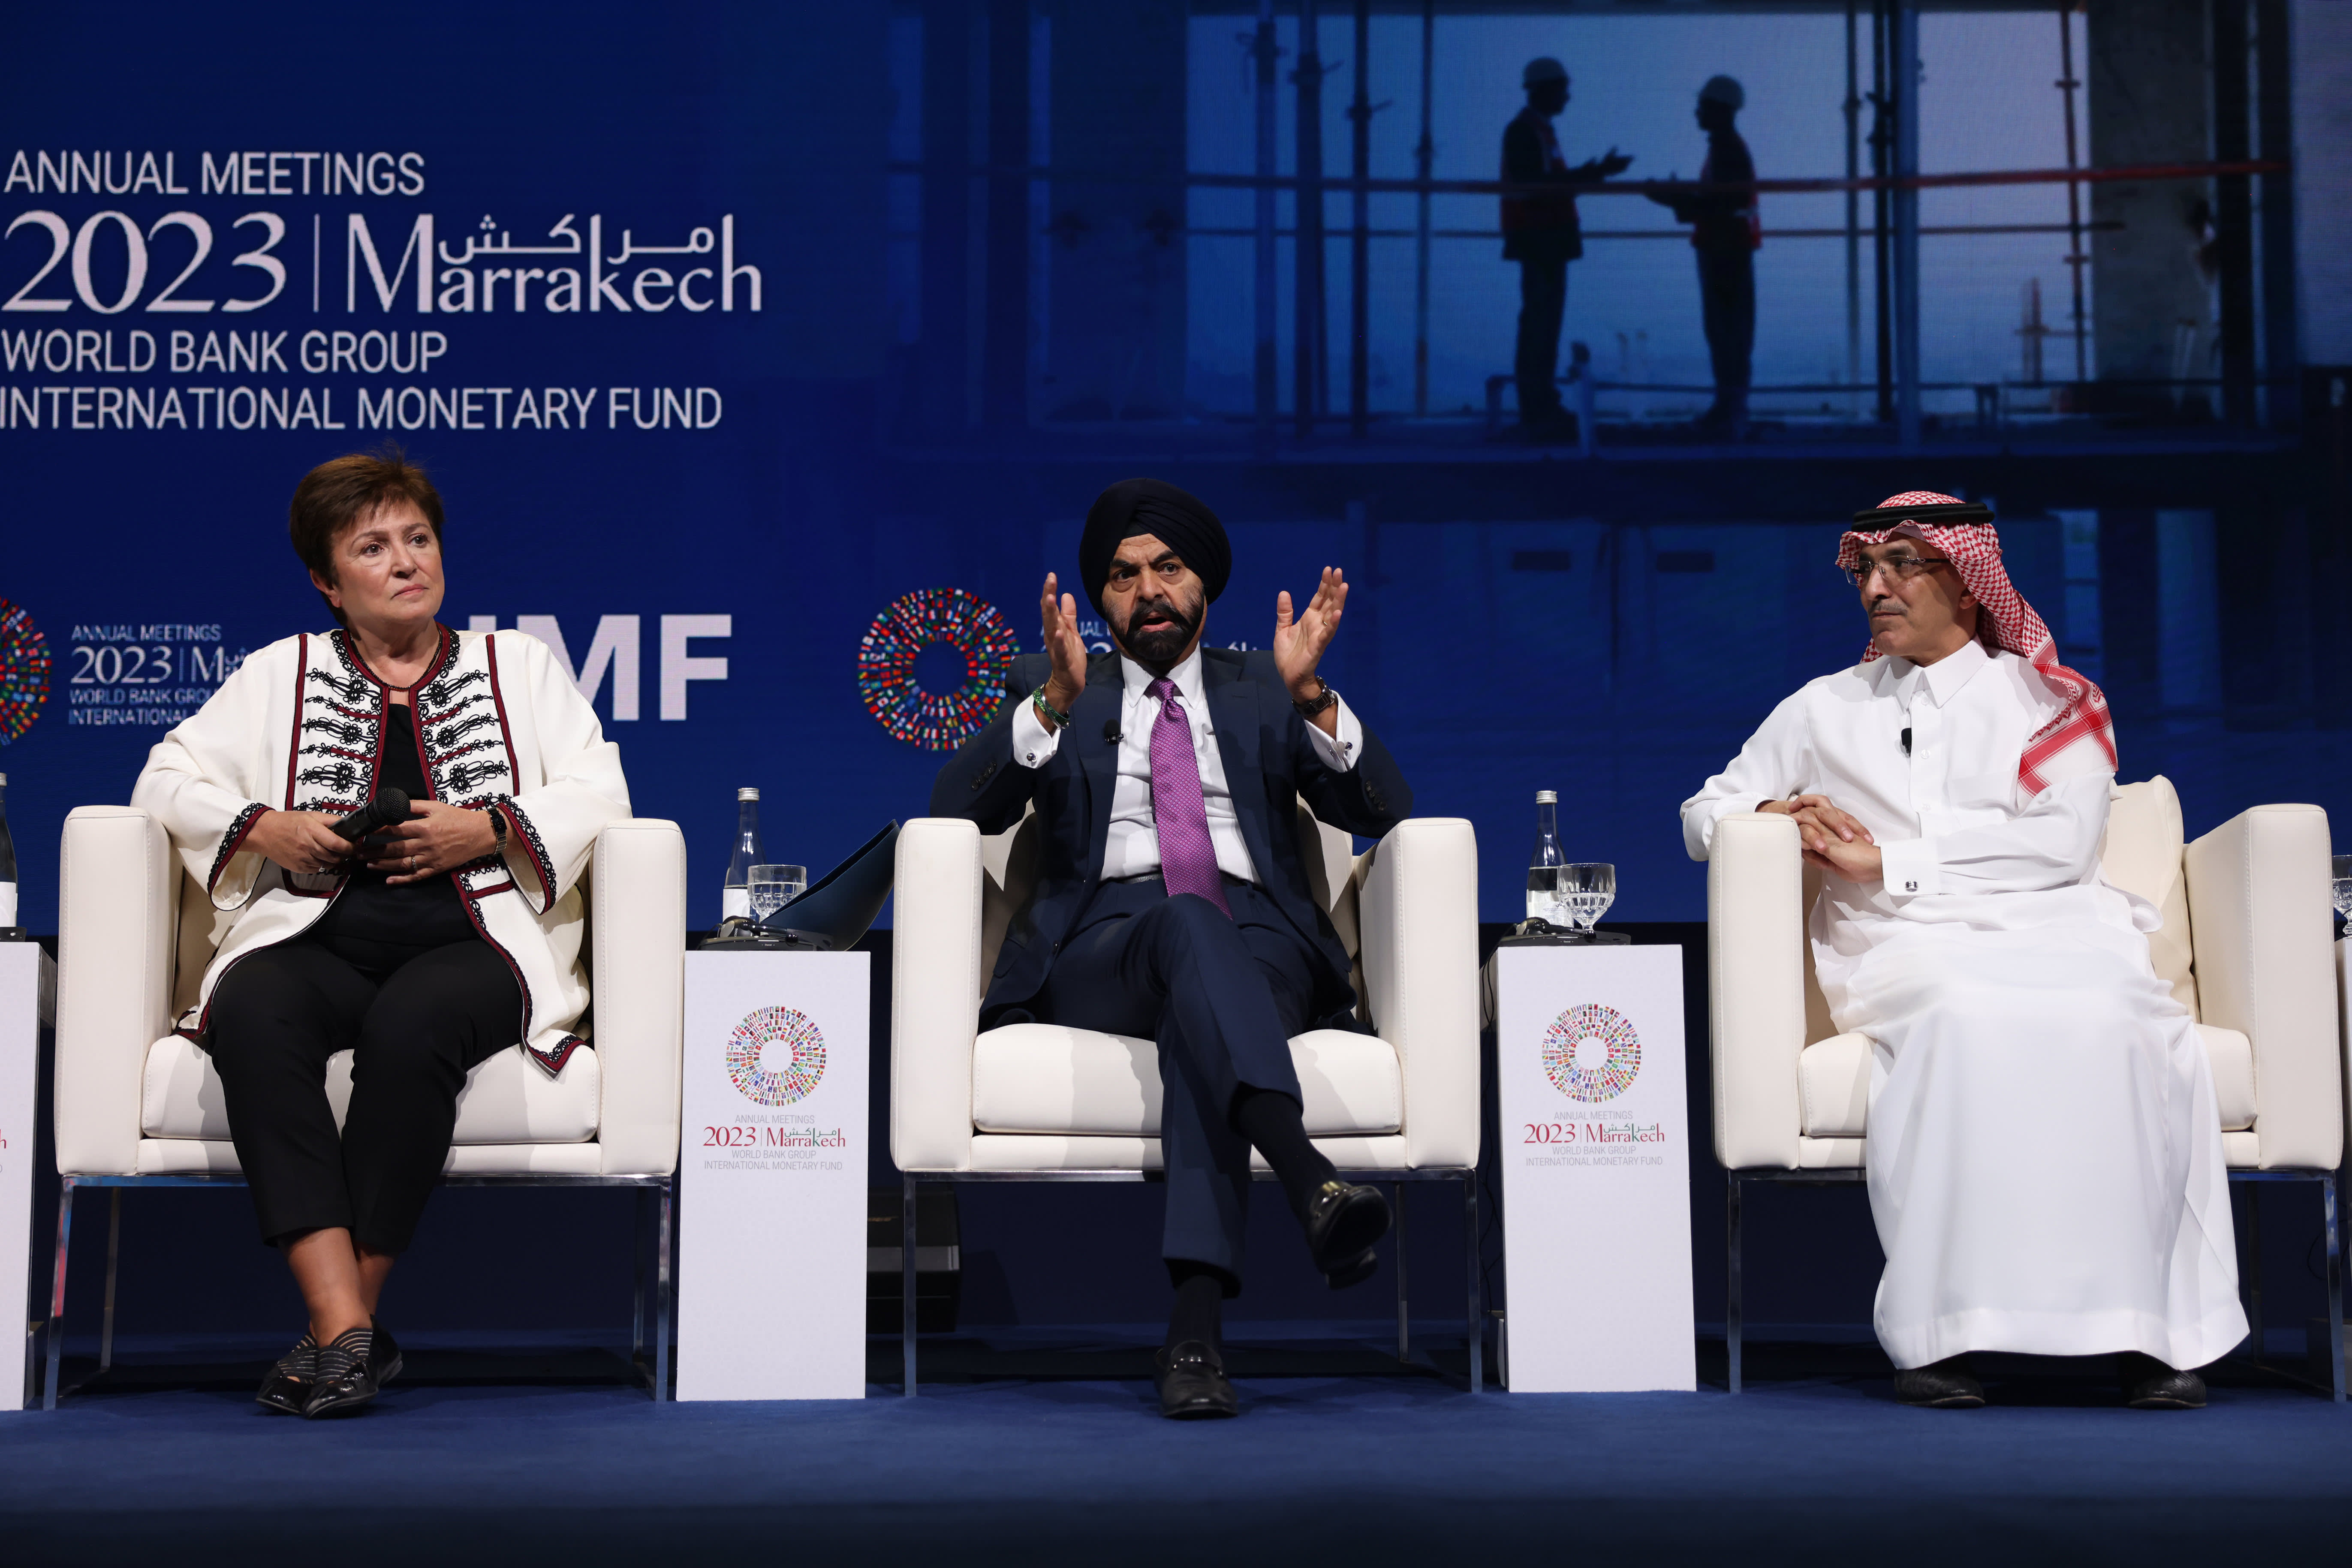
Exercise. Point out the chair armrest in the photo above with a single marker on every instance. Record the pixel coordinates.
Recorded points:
(1755, 988)
(2260, 926)
(637, 929)
(116, 915)
(1418, 917)
(935, 991)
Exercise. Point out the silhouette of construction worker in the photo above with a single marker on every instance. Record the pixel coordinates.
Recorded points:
(1540, 232)
(1725, 234)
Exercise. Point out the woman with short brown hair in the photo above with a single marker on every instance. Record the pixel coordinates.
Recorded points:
(424, 949)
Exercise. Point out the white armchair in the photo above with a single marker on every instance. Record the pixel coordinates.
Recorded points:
(1042, 1102)
(2244, 945)
(138, 1105)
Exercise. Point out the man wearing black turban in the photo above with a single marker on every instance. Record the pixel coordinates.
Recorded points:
(1172, 901)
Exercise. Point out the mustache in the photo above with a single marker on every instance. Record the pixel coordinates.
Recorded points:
(1179, 617)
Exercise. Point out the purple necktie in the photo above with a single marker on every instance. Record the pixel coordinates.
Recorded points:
(1188, 861)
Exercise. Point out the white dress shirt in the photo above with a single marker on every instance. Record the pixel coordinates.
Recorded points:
(1133, 848)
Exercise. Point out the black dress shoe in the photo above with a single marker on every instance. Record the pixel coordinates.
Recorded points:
(1192, 1382)
(2149, 1384)
(346, 1379)
(288, 1385)
(1343, 1222)
(1946, 1384)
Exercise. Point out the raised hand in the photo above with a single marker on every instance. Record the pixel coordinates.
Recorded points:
(1298, 645)
(1058, 618)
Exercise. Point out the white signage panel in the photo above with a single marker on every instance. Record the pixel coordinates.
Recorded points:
(1596, 1169)
(20, 1029)
(772, 1202)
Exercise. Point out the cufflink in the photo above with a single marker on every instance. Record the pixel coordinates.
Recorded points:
(1910, 887)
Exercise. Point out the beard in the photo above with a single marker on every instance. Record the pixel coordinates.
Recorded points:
(1164, 640)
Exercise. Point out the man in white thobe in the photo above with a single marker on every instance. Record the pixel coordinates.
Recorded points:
(2044, 1151)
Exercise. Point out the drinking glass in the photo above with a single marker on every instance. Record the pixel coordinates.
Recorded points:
(2341, 867)
(1586, 891)
(773, 887)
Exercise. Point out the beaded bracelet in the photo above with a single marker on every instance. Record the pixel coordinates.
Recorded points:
(1061, 719)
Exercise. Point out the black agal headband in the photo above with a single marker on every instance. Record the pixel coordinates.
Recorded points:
(1950, 515)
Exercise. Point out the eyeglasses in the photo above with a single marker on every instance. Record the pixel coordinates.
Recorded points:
(1901, 568)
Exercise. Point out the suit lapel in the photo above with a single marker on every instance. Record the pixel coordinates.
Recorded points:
(1094, 719)
(1234, 714)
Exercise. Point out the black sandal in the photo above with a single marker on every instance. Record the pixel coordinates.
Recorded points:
(288, 1385)
(347, 1374)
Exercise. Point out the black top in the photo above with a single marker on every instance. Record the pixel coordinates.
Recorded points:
(373, 924)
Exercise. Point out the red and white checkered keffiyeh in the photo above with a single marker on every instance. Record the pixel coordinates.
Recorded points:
(2083, 736)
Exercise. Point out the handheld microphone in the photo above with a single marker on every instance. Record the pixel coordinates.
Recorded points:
(1110, 731)
(390, 805)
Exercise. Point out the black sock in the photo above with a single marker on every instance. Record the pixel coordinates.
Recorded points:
(1270, 1119)
(1201, 1291)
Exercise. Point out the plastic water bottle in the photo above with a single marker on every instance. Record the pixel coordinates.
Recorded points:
(735, 898)
(7, 862)
(1546, 899)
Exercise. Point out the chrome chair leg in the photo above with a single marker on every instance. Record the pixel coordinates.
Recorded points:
(1474, 1312)
(2247, 1223)
(907, 1287)
(56, 1346)
(113, 1262)
(2335, 1285)
(662, 1292)
(1731, 1324)
(637, 1226)
(1404, 1312)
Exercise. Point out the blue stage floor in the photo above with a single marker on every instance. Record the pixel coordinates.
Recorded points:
(1396, 1467)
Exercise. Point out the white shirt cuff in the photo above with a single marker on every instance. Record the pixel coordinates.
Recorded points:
(1033, 744)
(1910, 868)
(1339, 752)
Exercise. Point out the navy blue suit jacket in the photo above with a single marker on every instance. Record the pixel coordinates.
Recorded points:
(1269, 764)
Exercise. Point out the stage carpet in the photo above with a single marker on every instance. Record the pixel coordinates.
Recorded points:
(1041, 1446)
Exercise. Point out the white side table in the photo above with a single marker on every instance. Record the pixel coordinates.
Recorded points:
(28, 978)
(771, 1207)
(1596, 1169)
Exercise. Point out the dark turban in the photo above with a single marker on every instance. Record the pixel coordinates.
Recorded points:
(1181, 522)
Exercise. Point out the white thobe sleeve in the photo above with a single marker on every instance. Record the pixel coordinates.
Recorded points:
(2052, 843)
(1772, 765)
(1034, 745)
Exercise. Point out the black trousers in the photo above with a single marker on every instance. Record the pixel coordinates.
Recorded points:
(415, 1029)
(1543, 301)
(1222, 998)
(1727, 299)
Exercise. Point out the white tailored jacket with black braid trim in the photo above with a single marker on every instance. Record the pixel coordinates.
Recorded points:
(300, 727)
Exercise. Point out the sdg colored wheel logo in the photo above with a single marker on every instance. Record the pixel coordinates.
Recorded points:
(937, 721)
(1594, 1032)
(23, 672)
(776, 1034)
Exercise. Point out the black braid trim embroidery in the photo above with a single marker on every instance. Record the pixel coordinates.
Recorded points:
(444, 691)
(445, 733)
(237, 828)
(356, 732)
(554, 1061)
(352, 689)
(339, 776)
(536, 846)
